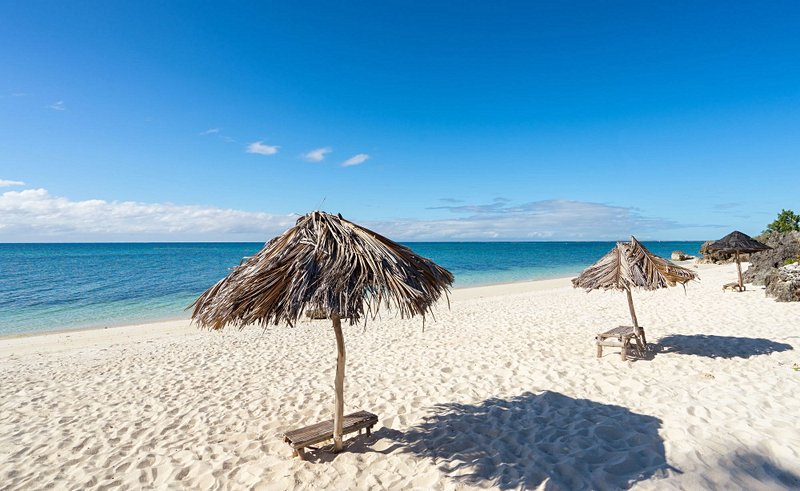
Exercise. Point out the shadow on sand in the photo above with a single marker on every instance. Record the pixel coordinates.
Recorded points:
(751, 470)
(718, 346)
(531, 440)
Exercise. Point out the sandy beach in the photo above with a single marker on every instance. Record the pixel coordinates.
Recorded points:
(503, 390)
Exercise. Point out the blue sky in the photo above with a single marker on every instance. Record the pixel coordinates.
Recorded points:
(487, 121)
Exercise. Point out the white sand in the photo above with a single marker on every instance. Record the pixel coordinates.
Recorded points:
(503, 390)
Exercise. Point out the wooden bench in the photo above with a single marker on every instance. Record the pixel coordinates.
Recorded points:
(733, 286)
(305, 437)
(623, 336)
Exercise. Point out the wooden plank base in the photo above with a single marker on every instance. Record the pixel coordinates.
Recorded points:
(734, 287)
(319, 432)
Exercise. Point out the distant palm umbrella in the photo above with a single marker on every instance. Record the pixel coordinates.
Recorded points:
(736, 242)
(330, 264)
(630, 265)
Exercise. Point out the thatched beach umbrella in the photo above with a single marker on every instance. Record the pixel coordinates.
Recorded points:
(630, 265)
(737, 242)
(330, 264)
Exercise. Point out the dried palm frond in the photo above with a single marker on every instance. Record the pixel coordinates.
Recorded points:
(630, 265)
(651, 272)
(327, 263)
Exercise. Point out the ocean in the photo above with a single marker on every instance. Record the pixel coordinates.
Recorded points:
(45, 287)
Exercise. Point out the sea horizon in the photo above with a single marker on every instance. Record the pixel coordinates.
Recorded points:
(405, 242)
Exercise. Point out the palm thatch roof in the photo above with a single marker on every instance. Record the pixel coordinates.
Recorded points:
(738, 242)
(630, 265)
(323, 262)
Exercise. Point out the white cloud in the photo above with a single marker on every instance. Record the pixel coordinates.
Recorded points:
(58, 106)
(355, 160)
(36, 215)
(537, 220)
(261, 149)
(217, 132)
(317, 155)
(5, 183)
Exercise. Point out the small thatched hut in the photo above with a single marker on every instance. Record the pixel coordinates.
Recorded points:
(327, 264)
(737, 243)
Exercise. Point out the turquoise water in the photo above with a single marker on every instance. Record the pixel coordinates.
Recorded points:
(62, 286)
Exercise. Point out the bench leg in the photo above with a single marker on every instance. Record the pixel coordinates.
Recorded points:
(369, 430)
(624, 352)
(599, 348)
(300, 453)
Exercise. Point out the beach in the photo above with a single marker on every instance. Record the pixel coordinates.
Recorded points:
(501, 390)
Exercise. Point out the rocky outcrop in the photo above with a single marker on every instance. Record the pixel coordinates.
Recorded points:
(783, 284)
(717, 257)
(681, 256)
(785, 248)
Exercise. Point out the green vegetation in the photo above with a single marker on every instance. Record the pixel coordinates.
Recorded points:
(789, 261)
(787, 221)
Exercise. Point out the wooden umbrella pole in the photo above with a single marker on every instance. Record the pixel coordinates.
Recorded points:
(630, 306)
(338, 413)
(739, 269)
(636, 329)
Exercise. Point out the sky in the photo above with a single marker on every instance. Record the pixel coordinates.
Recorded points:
(182, 121)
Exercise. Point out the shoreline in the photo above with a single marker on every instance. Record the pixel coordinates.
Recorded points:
(65, 339)
(84, 299)
(465, 292)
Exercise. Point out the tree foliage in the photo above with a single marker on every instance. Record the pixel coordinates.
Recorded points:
(787, 221)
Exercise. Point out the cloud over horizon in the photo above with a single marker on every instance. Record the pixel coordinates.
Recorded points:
(35, 215)
(261, 149)
(552, 219)
(5, 183)
(317, 155)
(58, 106)
(357, 159)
